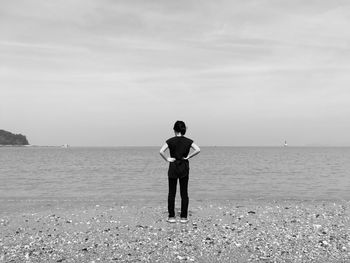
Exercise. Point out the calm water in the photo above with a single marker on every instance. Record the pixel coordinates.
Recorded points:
(135, 173)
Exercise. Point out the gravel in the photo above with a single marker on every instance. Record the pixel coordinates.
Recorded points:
(218, 231)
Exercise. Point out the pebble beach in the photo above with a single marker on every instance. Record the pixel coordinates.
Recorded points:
(217, 231)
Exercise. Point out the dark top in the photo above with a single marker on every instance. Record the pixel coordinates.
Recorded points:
(179, 147)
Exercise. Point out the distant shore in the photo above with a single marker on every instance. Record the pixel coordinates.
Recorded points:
(218, 231)
(29, 145)
(4, 145)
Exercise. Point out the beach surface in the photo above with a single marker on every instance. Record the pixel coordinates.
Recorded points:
(217, 231)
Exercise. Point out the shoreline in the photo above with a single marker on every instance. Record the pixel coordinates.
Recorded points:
(25, 205)
(218, 231)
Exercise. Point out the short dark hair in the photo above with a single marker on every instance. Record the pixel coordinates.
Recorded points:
(180, 127)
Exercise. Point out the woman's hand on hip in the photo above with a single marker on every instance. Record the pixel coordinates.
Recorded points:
(171, 159)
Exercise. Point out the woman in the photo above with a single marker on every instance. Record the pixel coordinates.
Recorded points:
(179, 148)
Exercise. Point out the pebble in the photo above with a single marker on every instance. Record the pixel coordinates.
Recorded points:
(268, 232)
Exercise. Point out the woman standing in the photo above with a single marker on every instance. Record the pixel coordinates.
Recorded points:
(179, 148)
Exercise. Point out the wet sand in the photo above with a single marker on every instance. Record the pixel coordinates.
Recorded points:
(217, 231)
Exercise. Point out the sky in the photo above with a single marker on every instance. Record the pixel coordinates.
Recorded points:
(120, 73)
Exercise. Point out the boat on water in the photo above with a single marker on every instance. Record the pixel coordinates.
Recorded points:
(65, 146)
(285, 144)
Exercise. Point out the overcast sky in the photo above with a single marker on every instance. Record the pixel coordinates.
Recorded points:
(107, 72)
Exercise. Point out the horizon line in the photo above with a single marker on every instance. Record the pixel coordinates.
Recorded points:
(144, 146)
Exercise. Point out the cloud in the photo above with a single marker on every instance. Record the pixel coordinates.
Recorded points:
(247, 60)
(33, 47)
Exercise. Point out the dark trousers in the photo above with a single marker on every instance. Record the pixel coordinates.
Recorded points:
(183, 193)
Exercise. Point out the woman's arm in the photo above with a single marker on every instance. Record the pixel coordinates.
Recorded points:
(196, 151)
(162, 153)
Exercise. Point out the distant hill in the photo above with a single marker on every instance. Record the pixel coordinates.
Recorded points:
(8, 138)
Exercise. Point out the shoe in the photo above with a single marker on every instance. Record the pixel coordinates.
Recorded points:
(183, 220)
(171, 220)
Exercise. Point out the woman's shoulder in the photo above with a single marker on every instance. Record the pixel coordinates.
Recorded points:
(179, 138)
(187, 139)
(171, 139)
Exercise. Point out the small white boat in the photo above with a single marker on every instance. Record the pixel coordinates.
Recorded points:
(285, 144)
(65, 146)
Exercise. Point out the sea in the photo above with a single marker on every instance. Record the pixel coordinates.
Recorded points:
(140, 174)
